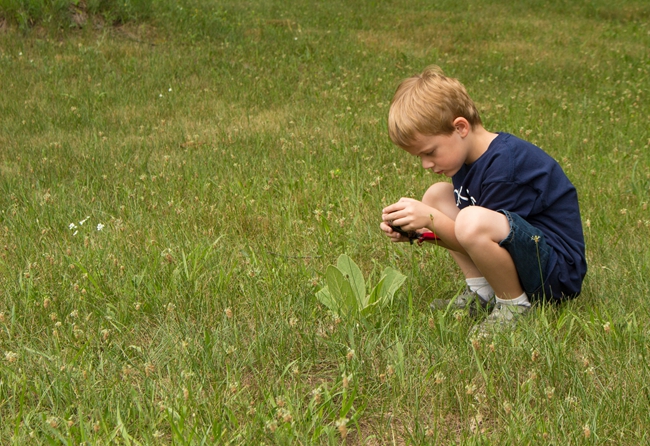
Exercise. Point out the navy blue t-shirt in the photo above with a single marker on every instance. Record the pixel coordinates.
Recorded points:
(519, 177)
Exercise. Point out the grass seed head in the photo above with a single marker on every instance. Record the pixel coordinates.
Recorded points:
(534, 356)
(346, 381)
(342, 426)
(272, 425)
(550, 391)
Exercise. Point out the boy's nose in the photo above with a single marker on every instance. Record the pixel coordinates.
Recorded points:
(426, 164)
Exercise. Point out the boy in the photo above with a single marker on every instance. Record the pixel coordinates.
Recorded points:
(510, 219)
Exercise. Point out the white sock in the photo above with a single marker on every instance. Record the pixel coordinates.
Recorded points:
(521, 300)
(480, 286)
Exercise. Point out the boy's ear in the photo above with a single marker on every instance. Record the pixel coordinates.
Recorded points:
(462, 126)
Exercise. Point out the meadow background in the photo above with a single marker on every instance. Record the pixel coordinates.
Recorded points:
(175, 178)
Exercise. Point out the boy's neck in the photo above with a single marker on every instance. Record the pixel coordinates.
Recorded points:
(479, 140)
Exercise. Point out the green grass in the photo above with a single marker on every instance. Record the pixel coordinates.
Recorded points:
(231, 152)
(74, 13)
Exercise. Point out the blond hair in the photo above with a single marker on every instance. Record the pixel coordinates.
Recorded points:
(427, 104)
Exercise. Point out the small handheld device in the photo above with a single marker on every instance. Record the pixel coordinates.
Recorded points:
(412, 235)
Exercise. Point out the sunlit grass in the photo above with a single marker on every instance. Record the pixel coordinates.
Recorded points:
(221, 157)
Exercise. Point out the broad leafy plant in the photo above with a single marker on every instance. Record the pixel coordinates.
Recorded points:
(345, 293)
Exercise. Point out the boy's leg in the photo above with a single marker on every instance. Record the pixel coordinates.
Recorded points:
(441, 196)
(479, 231)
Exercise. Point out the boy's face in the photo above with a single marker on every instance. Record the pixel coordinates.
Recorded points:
(442, 154)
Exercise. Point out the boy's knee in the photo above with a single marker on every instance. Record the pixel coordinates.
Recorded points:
(476, 224)
(468, 225)
(437, 193)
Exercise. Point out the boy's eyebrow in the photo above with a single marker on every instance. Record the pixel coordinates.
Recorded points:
(428, 149)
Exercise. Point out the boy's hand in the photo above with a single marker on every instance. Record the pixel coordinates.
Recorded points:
(407, 213)
(395, 236)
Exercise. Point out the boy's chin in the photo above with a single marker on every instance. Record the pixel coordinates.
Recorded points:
(449, 173)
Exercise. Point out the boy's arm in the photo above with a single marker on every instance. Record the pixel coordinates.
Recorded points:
(413, 215)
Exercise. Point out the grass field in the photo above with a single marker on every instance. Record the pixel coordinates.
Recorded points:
(173, 188)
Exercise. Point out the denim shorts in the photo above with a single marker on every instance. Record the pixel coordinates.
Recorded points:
(529, 251)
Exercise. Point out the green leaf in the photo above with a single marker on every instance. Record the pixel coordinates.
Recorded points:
(341, 291)
(345, 293)
(392, 280)
(370, 308)
(326, 299)
(350, 269)
(375, 294)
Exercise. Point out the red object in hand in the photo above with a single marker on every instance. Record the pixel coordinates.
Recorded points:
(427, 236)
(412, 235)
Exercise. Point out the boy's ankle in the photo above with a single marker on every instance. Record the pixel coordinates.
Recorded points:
(481, 287)
(520, 300)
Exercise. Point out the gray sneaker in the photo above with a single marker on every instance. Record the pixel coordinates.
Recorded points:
(502, 317)
(468, 300)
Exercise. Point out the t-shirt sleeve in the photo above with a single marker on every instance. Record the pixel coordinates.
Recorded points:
(518, 198)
